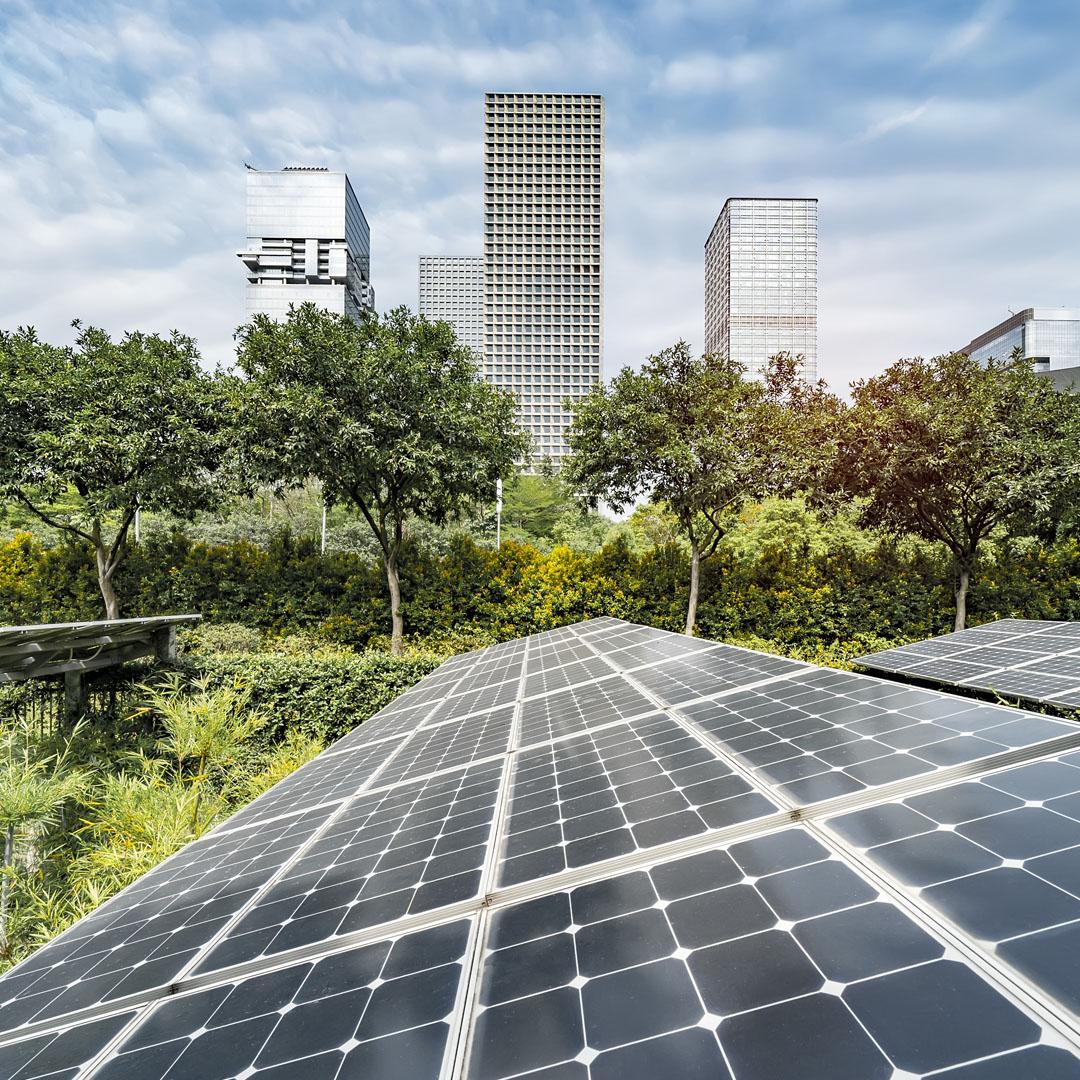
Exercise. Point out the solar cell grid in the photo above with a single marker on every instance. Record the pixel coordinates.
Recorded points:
(711, 672)
(773, 957)
(153, 930)
(59, 1055)
(475, 701)
(1037, 661)
(829, 734)
(556, 678)
(451, 745)
(570, 711)
(410, 849)
(617, 790)
(999, 857)
(380, 1010)
(328, 779)
(766, 960)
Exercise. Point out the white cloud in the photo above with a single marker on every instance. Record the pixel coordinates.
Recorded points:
(970, 34)
(704, 73)
(897, 120)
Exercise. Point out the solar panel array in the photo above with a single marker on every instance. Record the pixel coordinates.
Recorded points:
(604, 852)
(1031, 659)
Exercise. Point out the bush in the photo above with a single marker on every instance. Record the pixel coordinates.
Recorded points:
(321, 692)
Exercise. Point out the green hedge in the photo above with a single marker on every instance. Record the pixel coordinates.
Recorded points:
(784, 575)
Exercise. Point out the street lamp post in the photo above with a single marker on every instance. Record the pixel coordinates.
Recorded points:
(498, 513)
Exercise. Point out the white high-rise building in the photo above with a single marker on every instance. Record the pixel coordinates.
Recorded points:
(1047, 337)
(544, 254)
(761, 282)
(307, 240)
(451, 288)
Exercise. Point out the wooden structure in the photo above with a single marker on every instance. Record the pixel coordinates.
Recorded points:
(71, 649)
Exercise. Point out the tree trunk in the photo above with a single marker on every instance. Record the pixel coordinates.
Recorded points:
(695, 577)
(397, 633)
(962, 582)
(108, 593)
(5, 886)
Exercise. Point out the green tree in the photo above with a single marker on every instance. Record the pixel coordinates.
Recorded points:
(953, 452)
(35, 782)
(693, 433)
(392, 416)
(91, 433)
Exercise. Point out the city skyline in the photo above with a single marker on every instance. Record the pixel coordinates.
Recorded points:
(124, 142)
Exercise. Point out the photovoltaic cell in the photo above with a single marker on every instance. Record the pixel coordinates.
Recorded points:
(451, 745)
(147, 934)
(380, 1010)
(999, 856)
(614, 791)
(711, 672)
(399, 852)
(1024, 658)
(766, 960)
(59, 1055)
(579, 708)
(366, 917)
(328, 779)
(557, 678)
(831, 733)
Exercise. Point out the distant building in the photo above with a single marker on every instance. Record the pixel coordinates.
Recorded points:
(544, 254)
(451, 288)
(1048, 337)
(307, 240)
(761, 282)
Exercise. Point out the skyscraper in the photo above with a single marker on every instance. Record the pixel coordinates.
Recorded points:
(451, 288)
(761, 282)
(307, 239)
(544, 254)
(1048, 337)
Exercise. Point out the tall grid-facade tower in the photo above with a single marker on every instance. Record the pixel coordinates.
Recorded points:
(761, 282)
(544, 254)
(451, 288)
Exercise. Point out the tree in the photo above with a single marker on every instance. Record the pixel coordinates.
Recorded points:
(953, 452)
(692, 433)
(392, 416)
(92, 433)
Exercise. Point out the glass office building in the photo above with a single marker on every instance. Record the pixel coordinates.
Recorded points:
(1048, 337)
(451, 288)
(544, 254)
(761, 282)
(307, 240)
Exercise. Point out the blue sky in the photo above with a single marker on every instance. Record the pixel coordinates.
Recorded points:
(942, 138)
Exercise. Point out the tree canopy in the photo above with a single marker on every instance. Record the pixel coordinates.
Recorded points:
(391, 416)
(952, 451)
(90, 434)
(692, 433)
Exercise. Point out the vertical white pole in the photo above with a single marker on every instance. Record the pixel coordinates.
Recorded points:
(498, 513)
(138, 515)
(322, 547)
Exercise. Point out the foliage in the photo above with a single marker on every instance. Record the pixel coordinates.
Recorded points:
(392, 417)
(90, 434)
(694, 434)
(956, 452)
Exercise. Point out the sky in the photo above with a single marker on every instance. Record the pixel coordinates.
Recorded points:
(942, 138)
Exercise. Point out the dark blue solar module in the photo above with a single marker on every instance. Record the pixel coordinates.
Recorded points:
(609, 852)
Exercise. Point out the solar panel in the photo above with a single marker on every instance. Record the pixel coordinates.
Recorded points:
(601, 853)
(1023, 658)
(999, 857)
